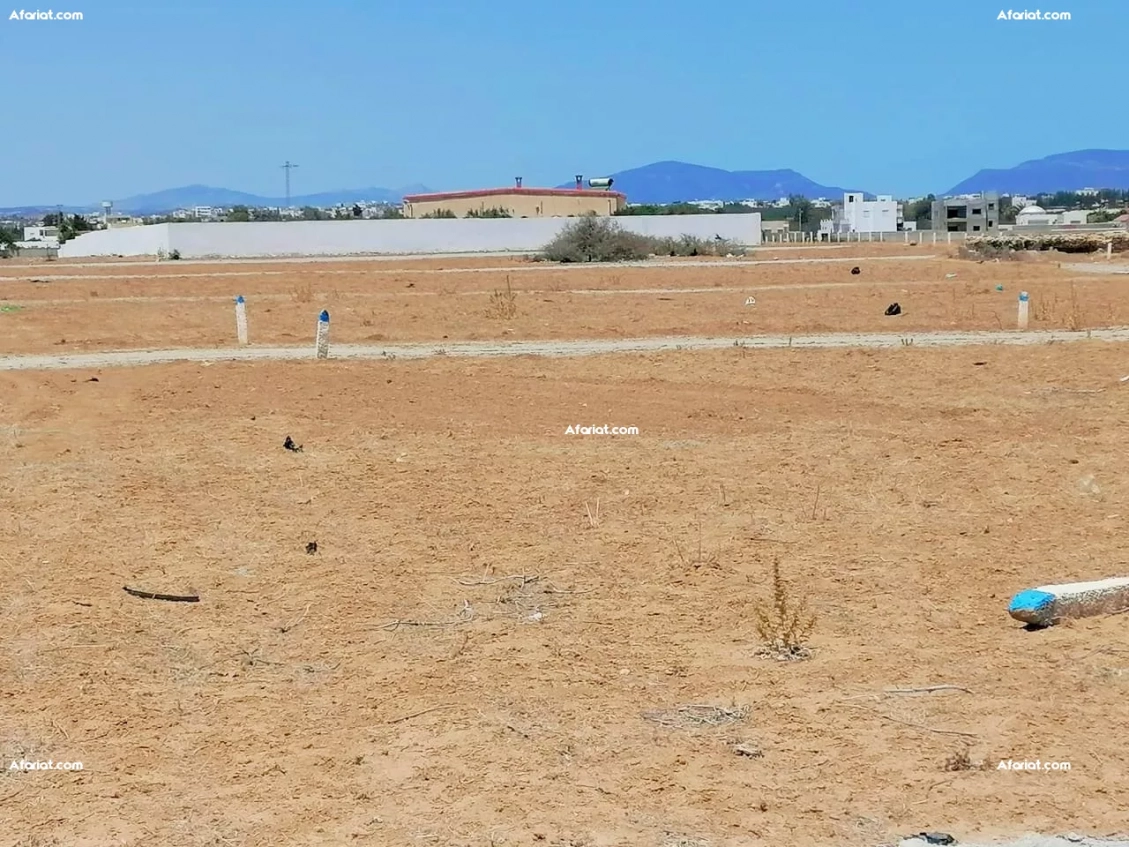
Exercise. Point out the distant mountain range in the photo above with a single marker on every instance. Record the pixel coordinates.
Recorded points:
(172, 199)
(670, 182)
(1060, 172)
(202, 195)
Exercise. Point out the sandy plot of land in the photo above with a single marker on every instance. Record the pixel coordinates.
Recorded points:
(234, 273)
(554, 303)
(143, 267)
(494, 604)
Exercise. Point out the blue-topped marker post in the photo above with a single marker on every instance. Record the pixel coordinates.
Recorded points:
(321, 346)
(241, 319)
(1023, 309)
(1049, 604)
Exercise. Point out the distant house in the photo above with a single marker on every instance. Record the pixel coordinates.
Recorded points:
(975, 213)
(883, 214)
(1038, 216)
(1035, 216)
(47, 235)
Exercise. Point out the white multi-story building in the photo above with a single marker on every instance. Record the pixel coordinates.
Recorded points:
(883, 214)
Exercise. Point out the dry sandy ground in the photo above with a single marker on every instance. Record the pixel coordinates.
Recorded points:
(139, 263)
(494, 604)
(399, 687)
(373, 304)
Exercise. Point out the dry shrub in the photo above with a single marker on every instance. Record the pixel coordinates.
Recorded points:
(983, 252)
(602, 239)
(961, 760)
(785, 626)
(503, 304)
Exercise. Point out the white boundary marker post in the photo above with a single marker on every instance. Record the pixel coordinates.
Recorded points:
(241, 319)
(321, 347)
(1023, 309)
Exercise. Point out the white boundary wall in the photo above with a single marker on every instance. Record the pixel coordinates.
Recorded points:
(124, 241)
(388, 237)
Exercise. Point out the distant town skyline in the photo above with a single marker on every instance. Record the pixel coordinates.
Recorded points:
(457, 95)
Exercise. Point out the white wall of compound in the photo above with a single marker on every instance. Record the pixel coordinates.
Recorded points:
(388, 237)
(126, 241)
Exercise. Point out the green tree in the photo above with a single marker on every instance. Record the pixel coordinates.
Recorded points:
(1104, 216)
(69, 226)
(8, 239)
(801, 211)
(239, 214)
(920, 211)
(1007, 210)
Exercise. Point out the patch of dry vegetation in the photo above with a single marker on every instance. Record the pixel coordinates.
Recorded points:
(602, 239)
(786, 625)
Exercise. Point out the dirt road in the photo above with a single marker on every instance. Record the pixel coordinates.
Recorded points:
(125, 358)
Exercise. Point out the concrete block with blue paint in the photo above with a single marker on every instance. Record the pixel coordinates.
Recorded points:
(1049, 604)
(321, 342)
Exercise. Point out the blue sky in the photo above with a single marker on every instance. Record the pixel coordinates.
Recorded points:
(891, 96)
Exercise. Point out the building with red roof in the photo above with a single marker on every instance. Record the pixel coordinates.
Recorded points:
(518, 202)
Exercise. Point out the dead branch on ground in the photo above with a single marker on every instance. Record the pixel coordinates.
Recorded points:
(172, 598)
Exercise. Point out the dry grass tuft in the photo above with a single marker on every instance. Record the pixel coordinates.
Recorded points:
(503, 304)
(672, 840)
(12, 435)
(699, 557)
(785, 626)
(961, 760)
(593, 516)
(697, 716)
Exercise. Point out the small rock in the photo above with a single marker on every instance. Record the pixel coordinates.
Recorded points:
(1087, 485)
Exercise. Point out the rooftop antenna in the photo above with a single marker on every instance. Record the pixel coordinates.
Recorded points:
(289, 166)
